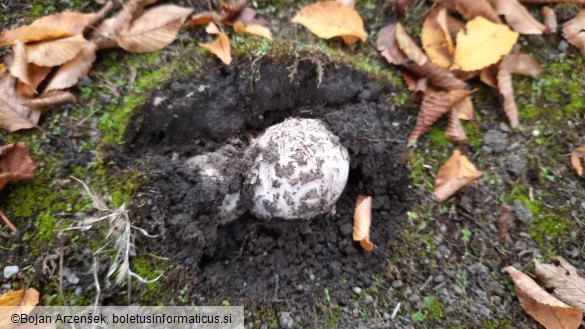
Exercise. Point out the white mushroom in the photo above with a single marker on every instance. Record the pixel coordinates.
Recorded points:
(300, 170)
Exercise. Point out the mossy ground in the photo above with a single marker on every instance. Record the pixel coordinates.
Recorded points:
(551, 111)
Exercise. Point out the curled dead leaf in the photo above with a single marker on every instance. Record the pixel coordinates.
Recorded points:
(457, 172)
(72, 22)
(29, 33)
(481, 44)
(514, 64)
(17, 302)
(576, 156)
(69, 73)
(232, 8)
(454, 131)
(330, 19)
(518, 17)
(220, 47)
(572, 30)
(550, 19)
(15, 164)
(541, 306)
(434, 105)
(153, 30)
(203, 18)
(55, 52)
(564, 280)
(388, 46)
(362, 221)
(19, 66)
(436, 39)
(253, 29)
(471, 9)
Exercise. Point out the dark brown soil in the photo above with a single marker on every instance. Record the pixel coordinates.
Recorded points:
(254, 260)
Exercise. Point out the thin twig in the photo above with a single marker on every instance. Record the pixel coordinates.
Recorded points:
(8, 223)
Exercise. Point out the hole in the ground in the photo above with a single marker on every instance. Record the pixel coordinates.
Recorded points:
(267, 260)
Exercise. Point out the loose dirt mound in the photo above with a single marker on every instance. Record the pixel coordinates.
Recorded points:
(253, 259)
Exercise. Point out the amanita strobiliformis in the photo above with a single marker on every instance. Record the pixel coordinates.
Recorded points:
(299, 170)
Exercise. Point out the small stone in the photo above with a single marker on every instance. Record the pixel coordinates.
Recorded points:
(357, 290)
(494, 141)
(522, 213)
(368, 299)
(397, 284)
(516, 164)
(386, 316)
(535, 132)
(286, 321)
(10, 271)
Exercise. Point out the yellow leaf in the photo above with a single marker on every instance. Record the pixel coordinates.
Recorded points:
(362, 220)
(16, 302)
(481, 44)
(541, 306)
(457, 172)
(220, 47)
(436, 39)
(330, 19)
(254, 29)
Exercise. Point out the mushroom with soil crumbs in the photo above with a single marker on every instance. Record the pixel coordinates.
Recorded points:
(298, 169)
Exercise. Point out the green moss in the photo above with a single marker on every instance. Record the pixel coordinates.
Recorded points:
(503, 324)
(437, 135)
(149, 268)
(434, 307)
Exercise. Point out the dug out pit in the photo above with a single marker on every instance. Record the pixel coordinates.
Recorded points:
(255, 260)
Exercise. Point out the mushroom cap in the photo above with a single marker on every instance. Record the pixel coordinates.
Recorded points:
(300, 170)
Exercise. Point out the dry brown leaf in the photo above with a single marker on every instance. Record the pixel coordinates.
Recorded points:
(464, 109)
(439, 77)
(17, 302)
(454, 131)
(212, 29)
(330, 19)
(2, 68)
(434, 105)
(362, 220)
(455, 25)
(232, 8)
(253, 29)
(489, 75)
(220, 47)
(388, 46)
(436, 39)
(29, 33)
(203, 18)
(55, 52)
(72, 22)
(19, 111)
(481, 44)
(37, 74)
(15, 164)
(566, 283)
(68, 74)
(514, 64)
(247, 16)
(541, 306)
(153, 30)
(19, 66)
(550, 19)
(505, 224)
(471, 9)
(572, 30)
(518, 17)
(576, 156)
(457, 172)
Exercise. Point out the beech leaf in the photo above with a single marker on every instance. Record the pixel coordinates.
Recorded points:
(470, 9)
(72, 22)
(155, 29)
(576, 156)
(457, 172)
(29, 33)
(15, 164)
(481, 44)
(541, 306)
(253, 29)
(19, 66)
(330, 19)
(564, 280)
(17, 302)
(55, 52)
(518, 17)
(220, 47)
(434, 105)
(388, 46)
(69, 73)
(436, 39)
(573, 31)
(20, 111)
(514, 64)
(362, 220)
(550, 19)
